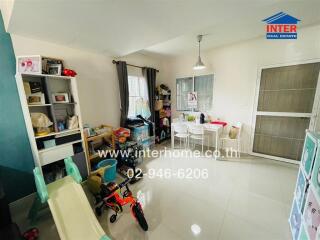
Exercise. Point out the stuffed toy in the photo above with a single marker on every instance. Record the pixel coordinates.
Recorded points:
(69, 73)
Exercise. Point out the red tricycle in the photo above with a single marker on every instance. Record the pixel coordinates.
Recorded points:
(110, 196)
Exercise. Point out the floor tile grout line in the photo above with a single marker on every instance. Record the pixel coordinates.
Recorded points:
(225, 213)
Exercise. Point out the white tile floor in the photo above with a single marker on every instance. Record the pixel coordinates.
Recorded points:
(247, 198)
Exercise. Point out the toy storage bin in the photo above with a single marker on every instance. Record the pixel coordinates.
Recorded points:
(140, 133)
(110, 171)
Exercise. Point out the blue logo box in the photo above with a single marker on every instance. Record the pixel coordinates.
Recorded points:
(281, 35)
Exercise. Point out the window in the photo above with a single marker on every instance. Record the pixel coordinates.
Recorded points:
(184, 85)
(203, 85)
(138, 90)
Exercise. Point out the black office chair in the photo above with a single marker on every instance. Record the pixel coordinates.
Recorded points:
(8, 229)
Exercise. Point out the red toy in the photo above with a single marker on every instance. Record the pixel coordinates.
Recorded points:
(69, 72)
(111, 198)
(31, 234)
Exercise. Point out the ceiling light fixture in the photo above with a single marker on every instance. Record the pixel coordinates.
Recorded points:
(199, 65)
(196, 229)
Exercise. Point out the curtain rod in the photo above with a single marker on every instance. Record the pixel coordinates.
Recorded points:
(115, 62)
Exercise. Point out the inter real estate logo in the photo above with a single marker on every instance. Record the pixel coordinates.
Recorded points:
(281, 26)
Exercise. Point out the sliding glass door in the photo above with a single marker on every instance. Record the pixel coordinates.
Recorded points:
(286, 107)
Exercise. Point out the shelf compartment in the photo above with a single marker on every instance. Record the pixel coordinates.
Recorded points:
(58, 146)
(77, 130)
(61, 103)
(52, 155)
(93, 138)
(40, 105)
(96, 155)
(46, 75)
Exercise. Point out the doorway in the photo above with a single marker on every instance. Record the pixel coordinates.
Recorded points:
(286, 106)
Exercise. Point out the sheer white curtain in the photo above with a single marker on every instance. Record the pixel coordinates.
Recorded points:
(138, 93)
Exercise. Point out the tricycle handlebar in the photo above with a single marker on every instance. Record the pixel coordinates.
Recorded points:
(124, 183)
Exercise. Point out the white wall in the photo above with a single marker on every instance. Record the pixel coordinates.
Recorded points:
(235, 69)
(97, 82)
(6, 7)
(97, 78)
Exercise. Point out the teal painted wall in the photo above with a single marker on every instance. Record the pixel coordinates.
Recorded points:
(16, 161)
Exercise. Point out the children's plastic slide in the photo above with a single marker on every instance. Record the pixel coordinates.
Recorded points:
(69, 205)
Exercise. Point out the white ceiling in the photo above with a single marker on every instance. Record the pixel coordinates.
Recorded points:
(168, 27)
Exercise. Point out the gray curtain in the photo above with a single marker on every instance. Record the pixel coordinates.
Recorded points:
(150, 74)
(124, 91)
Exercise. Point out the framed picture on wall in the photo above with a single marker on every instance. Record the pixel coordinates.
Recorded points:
(47, 62)
(54, 69)
(192, 99)
(29, 64)
(36, 99)
(60, 98)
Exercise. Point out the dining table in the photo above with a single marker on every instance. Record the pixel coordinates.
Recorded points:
(214, 129)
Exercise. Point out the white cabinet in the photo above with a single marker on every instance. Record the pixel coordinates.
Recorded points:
(55, 154)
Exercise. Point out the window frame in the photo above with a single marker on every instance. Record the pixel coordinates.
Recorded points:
(193, 89)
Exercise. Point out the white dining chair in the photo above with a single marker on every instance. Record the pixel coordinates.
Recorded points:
(236, 141)
(180, 131)
(197, 133)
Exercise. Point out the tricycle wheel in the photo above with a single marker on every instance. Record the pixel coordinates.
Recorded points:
(113, 218)
(99, 211)
(138, 213)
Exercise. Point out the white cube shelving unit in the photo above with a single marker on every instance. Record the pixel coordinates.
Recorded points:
(52, 84)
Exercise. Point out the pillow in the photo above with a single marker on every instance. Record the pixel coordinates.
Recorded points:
(233, 133)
